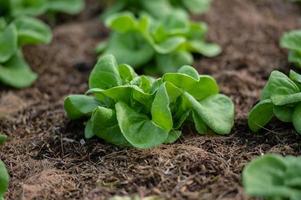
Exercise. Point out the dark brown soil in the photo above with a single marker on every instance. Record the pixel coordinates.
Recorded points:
(48, 158)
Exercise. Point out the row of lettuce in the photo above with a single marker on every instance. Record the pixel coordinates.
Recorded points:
(129, 110)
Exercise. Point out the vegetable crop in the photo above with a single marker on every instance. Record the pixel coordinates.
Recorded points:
(292, 41)
(157, 8)
(125, 109)
(18, 28)
(280, 98)
(166, 44)
(273, 177)
(14, 71)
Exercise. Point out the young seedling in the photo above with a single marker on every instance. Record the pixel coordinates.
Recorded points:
(292, 42)
(280, 98)
(157, 8)
(273, 177)
(125, 109)
(167, 43)
(17, 29)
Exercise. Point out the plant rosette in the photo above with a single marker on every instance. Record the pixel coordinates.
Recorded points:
(280, 98)
(273, 177)
(125, 109)
(146, 42)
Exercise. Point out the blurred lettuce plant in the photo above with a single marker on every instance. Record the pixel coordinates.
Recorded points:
(167, 43)
(273, 177)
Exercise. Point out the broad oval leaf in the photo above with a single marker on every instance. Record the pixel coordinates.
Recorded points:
(78, 106)
(190, 71)
(32, 31)
(278, 84)
(105, 73)
(206, 49)
(138, 129)
(281, 100)
(161, 114)
(291, 40)
(200, 89)
(122, 22)
(260, 115)
(217, 112)
(16, 72)
(127, 73)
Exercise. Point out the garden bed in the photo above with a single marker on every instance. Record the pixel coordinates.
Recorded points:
(48, 158)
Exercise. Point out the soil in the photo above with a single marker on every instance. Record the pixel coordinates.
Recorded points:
(48, 158)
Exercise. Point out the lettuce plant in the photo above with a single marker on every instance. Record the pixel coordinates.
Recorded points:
(17, 29)
(280, 98)
(273, 177)
(125, 109)
(292, 42)
(14, 71)
(167, 43)
(157, 8)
